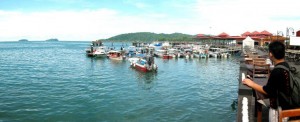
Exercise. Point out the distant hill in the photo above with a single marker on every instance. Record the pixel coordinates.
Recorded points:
(149, 37)
(52, 40)
(23, 40)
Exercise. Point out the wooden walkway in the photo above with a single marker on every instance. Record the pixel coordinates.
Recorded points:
(246, 92)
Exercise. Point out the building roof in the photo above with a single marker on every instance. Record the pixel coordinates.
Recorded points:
(223, 35)
(265, 33)
(246, 33)
(254, 33)
(200, 35)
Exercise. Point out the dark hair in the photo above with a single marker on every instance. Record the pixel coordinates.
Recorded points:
(277, 49)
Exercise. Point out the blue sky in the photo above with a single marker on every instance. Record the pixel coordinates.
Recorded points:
(86, 20)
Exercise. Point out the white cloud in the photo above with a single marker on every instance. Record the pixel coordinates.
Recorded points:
(206, 16)
(237, 16)
(84, 25)
(65, 25)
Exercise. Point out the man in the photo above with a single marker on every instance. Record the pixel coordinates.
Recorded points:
(278, 81)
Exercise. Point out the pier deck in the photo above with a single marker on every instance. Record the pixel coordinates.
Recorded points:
(247, 92)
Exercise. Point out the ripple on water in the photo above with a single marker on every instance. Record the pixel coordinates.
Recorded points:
(57, 82)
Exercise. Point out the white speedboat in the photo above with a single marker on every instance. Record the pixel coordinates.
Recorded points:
(100, 52)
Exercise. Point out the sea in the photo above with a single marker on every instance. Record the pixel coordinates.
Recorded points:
(56, 81)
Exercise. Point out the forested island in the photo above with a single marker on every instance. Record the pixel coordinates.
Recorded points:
(23, 40)
(149, 37)
(52, 40)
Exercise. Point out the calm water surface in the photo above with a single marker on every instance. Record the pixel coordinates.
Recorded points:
(55, 81)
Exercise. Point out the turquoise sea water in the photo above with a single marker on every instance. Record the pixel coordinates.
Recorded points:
(55, 81)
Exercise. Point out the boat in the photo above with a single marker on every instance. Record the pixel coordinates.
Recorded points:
(200, 51)
(143, 64)
(214, 52)
(156, 44)
(115, 55)
(100, 52)
(90, 52)
(188, 53)
(131, 51)
(219, 53)
(167, 56)
(160, 53)
(171, 53)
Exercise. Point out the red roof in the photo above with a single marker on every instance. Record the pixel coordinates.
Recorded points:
(237, 37)
(200, 35)
(265, 33)
(203, 36)
(223, 35)
(255, 33)
(246, 33)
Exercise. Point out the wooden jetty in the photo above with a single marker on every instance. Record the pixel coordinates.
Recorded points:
(245, 92)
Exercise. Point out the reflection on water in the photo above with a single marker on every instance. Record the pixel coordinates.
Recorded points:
(117, 63)
(234, 105)
(188, 60)
(166, 60)
(145, 79)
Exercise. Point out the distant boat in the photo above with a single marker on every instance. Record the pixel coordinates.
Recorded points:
(52, 40)
(23, 40)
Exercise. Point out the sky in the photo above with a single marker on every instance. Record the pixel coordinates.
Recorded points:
(88, 20)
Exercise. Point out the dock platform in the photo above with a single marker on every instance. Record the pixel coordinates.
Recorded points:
(246, 92)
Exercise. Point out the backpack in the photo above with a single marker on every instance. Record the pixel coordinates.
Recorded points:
(294, 99)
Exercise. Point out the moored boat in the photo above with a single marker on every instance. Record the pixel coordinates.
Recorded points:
(90, 52)
(144, 64)
(160, 53)
(167, 56)
(131, 51)
(100, 52)
(188, 53)
(115, 55)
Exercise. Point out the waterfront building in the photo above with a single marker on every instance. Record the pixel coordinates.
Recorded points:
(260, 38)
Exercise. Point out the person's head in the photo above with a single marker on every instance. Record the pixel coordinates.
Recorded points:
(276, 50)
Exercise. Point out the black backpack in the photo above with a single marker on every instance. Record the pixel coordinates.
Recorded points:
(294, 99)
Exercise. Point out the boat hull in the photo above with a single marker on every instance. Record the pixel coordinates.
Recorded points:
(144, 68)
(142, 65)
(117, 58)
(167, 56)
(100, 55)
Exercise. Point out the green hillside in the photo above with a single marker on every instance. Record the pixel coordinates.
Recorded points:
(149, 37)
